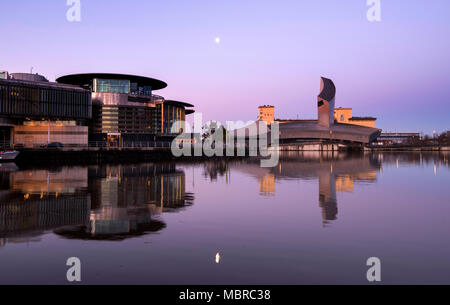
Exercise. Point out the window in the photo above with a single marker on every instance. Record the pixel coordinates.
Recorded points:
(134, 88)
(102, 85)
(342, 117)
(112, 86)
(148, 90)
(124, 86)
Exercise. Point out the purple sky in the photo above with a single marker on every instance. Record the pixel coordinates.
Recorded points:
(271, 52)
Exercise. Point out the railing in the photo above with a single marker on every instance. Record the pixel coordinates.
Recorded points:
(93, 144)
(157, 144)
(146, 145)
(157, 97)
(153, 97)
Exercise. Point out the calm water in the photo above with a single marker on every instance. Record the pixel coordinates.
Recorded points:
(314, 219)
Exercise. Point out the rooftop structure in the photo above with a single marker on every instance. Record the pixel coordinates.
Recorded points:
(345, 115)
(266, 114)
(85, 80)
(28, 77)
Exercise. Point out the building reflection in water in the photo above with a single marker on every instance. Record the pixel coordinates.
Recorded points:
(335, 172)
(127, 199)
(110, 202)
(117, 202)
(35, 201)
(267, 185)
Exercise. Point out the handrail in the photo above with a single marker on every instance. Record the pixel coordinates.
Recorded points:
(153, 97)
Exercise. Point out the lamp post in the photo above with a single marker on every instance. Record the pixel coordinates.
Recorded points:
(48, 135)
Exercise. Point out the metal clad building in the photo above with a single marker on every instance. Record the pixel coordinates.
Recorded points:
(34, 111)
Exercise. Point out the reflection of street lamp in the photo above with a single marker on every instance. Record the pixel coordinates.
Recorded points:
(48, 135)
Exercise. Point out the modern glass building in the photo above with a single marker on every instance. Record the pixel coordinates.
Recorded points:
(24, 99)
(30, 101)
(126, 112)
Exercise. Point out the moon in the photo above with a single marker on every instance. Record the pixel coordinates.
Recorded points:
(217, 40)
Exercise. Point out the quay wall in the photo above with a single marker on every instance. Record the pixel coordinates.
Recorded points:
(310, 147)
(91, 156)
(410, 148)
(88, 156)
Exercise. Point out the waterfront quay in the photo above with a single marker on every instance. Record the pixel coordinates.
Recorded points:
(92, 155)
(409, 148)
(107, 155)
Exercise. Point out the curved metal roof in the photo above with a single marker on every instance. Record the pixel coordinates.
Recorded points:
(86, 78)
(341, 132)
(328, 89)
(43, 84)
(178, 103)
(29, 77)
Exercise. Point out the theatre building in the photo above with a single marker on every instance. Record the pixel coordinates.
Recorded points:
(125, 112)
(35, 112)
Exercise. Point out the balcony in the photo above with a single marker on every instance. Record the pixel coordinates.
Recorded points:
(142, 98)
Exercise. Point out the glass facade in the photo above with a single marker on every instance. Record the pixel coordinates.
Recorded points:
(138, 120)
(123, 119)
(172, 118)
(111, 86)
(110, 119)
(36, 101)
(120, 86)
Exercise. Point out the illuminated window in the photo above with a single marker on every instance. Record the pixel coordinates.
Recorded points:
(113, 86)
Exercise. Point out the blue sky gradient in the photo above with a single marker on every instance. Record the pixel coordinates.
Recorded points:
(271, 52)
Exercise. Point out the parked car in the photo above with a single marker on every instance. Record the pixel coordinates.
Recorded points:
(55, 145)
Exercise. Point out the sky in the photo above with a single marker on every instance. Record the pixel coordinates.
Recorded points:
(270, 52)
